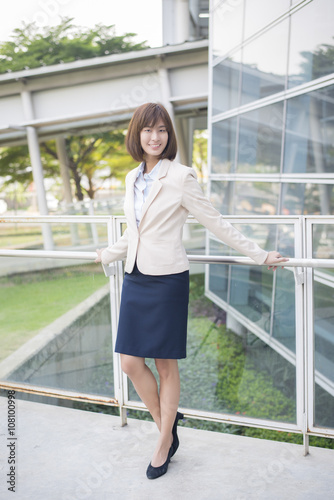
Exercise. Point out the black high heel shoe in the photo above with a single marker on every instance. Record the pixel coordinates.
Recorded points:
(176, 442)
(155, 472)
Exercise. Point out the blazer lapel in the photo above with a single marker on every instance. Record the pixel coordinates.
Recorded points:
(156, 186)
(130, 198)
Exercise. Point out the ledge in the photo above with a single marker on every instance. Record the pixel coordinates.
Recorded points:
(66, 454)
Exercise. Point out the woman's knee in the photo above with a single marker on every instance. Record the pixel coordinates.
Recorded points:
(167, 367)
(131, 364)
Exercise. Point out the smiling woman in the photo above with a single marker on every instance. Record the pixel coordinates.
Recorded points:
(160, 194)
(153, 140)
(151, 125)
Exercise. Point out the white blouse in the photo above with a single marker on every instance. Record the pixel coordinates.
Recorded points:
(143, 186)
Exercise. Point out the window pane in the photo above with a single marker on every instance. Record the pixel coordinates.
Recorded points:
(309, 137)
(323, 325)
(218, 273)
(323, 237)
(251, 294)
(259, 13)
(227, 27)
(311, 43)
(324, 347)
(225, 92)
(260, 140)
(307, 199)
(284, 322)
(264, 64)
(223, 146)
(221, 196)
(259, 198)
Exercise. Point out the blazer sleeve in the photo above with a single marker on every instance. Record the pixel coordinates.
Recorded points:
(200, 207)
(118, 251)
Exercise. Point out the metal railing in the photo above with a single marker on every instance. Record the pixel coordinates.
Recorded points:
(304, 356)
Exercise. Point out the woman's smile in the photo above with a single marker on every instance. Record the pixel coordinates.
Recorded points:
(154, 140)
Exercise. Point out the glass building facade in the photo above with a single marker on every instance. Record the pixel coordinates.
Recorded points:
(272, 107)
(271, 122)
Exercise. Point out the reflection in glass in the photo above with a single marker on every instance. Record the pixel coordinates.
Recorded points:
(221, 196)
(227, 27)
(311, 44)
(323, 237)
(307, 199)
(309, 138)
(251, 294)
(264, 64)
(255, 198)
(225, 91)
(285, 240)
(223, 146)
(260, 140)
(218, 273)
(264, 235)
(284, 326)
(324, 347)
(59, 320)
(259, 13)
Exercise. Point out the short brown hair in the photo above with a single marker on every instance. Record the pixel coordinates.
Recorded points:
(147, 115)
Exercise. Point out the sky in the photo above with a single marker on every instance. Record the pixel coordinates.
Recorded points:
(143, 17)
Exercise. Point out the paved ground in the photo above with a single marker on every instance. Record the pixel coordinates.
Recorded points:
(66, 454)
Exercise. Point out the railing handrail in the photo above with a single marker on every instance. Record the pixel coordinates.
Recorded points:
(206, 259)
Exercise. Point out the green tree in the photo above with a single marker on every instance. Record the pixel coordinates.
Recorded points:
(15, 165)
(94, 158)
(32, 47)
(200, 153)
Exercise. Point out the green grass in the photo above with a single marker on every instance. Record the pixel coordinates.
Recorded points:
(31, 301)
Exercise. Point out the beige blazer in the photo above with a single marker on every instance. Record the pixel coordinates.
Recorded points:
(157, 243)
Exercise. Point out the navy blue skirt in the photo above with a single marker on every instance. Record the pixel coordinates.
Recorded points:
(153, 315)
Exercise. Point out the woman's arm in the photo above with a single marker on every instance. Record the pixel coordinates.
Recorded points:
(118, 251)
(201, 208)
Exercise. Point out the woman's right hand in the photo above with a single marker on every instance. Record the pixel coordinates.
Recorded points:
(99, 252)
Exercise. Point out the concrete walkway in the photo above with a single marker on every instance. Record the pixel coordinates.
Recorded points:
(66, 454)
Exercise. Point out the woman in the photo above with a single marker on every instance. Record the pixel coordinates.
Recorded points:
(160, 194)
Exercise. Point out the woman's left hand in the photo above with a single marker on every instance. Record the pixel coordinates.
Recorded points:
(274, 258)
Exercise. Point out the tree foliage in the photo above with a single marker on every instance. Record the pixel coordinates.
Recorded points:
(15, 165)
(91, 159)
(32, 47)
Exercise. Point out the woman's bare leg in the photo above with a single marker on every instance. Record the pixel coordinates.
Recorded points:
(169, 401)
(163, 406)
(145, 384)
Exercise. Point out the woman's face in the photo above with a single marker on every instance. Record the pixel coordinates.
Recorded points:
(154, 139)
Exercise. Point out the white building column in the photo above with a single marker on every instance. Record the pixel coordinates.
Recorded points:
(175, 21)
(37, 167)
(166, 95)
(182, 21)
(181, 125)
(64, 172)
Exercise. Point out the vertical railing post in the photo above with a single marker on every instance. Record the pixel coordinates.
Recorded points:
(309, 335)
(114, 233)
(300, 328)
